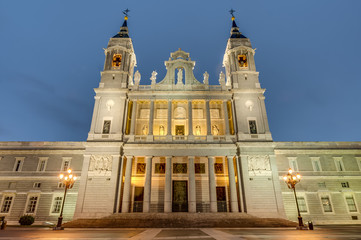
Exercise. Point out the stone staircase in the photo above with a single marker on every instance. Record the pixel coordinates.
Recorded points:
(179, 220)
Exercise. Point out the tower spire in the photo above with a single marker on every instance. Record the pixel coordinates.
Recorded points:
(123, 33)
(235, 29)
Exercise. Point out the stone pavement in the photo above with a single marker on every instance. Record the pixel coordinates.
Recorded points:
(320, 232)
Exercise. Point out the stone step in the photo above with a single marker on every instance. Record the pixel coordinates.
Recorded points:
(179, 220)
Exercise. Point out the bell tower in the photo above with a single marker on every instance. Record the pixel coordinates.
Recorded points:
(116, 79)
(242, 78)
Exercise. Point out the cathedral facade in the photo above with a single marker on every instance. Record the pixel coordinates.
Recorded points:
(180, 145)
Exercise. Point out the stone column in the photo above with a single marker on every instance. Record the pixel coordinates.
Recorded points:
(151, 117)
(169, 123)
(192, 186)
(212, 185)
(127, 185)
(134, 111)
(147, 184)
(209, 129)
(226, 122)
(232, 185)
(168, 185)
(190, 121)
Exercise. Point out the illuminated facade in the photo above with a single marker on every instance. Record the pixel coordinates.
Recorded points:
(181, 145)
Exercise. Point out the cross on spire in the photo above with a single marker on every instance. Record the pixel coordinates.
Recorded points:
(231, 12)
(125, 12)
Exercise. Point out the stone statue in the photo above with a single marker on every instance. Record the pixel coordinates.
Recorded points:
(222, 79)
(161, 130)
(137, 78)
(154, 77)
(180, 76)
(205, 78)
(198, 130)
(145, 130)
(215, 130)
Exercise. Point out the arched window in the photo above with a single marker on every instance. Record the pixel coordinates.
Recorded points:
(242, 61)
(117, 60)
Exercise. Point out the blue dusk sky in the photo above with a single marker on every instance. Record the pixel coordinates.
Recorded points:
(308, 55)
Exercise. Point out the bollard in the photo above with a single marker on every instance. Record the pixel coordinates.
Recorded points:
(3, 225)
(310, 225)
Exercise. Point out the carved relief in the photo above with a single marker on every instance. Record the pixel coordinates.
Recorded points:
(199, 168)
(140, 168)
(100, 165)
(159, 168)
(218, 168)
(259, 165)
(179, 168)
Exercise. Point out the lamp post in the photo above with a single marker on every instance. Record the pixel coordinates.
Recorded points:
(291, 179)
(68, 181)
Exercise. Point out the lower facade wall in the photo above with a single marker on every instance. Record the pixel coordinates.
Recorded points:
(338, 176)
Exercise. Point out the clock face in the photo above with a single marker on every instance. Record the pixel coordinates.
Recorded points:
(242, 61)
(117, 60)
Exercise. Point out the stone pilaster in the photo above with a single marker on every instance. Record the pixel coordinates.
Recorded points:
(132, 123)
(209, 127)
(169, 123)
(226, 122)
(151, 120)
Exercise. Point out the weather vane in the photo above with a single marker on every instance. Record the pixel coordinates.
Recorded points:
(231, 12)
(125, 12)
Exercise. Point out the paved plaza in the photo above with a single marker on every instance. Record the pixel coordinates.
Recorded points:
(320, 232)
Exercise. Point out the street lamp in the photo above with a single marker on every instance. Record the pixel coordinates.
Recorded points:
(291, 180)
(68, 181)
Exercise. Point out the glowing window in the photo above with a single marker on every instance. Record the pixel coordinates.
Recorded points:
(117, 60)
(242, 61)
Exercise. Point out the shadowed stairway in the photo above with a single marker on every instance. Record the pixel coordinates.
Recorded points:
(179, 220)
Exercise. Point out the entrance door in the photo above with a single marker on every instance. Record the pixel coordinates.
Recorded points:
(179, 130)
(221, 199)
(180, 196)
(138, 199)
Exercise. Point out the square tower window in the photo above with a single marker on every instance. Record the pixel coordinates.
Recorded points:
(106, 127)
(117, 60)
(242, 61)
(252, 126)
